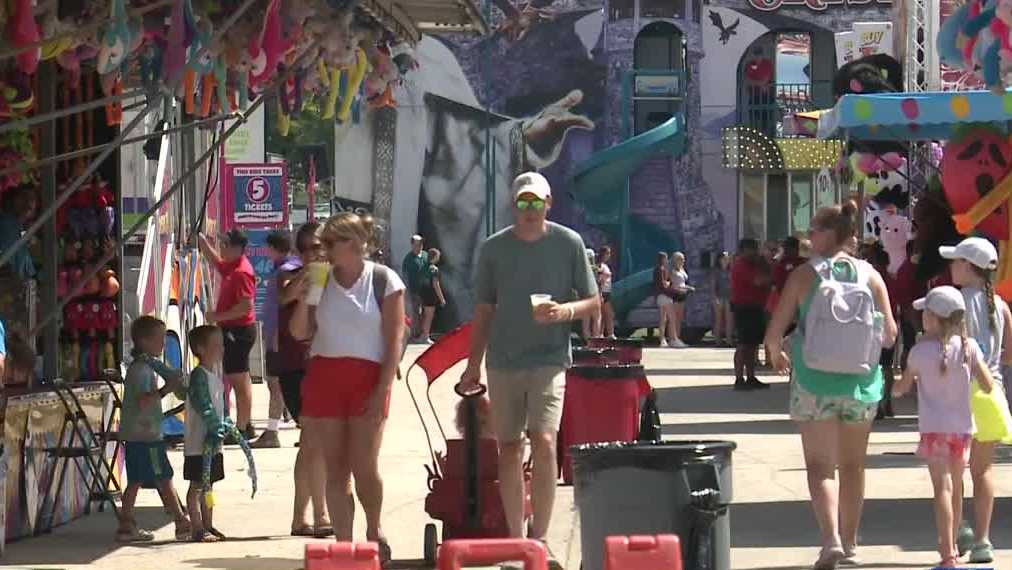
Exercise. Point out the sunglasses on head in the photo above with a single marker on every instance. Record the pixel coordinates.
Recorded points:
(530, 203)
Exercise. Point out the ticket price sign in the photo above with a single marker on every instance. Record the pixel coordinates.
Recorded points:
(259, 194)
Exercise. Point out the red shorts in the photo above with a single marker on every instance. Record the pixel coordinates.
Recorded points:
(339, 387)
(944, 447)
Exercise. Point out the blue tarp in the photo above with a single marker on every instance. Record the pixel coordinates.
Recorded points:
(913, 116)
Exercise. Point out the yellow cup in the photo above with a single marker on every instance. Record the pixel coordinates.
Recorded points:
(318, 272)
(539, 299)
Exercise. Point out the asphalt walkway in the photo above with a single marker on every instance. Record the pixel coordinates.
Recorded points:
(772, 524)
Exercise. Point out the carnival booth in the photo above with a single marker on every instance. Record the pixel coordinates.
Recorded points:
(83, 85)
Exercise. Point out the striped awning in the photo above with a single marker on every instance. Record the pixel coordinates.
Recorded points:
(409, 19)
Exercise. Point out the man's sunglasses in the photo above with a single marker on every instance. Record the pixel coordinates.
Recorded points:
(531, 204)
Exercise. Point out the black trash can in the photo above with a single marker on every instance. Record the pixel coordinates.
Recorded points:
(679, 487)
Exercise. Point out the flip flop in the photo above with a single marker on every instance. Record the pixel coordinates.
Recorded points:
(203, 536)
(134, 535)
(217, 533)
(183, 532)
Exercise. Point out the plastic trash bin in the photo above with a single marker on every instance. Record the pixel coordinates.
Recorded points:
(679, 487)
(586, 356)
(602, 403)
(630, 349)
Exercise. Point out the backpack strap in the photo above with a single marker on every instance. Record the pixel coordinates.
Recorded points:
(379, 283)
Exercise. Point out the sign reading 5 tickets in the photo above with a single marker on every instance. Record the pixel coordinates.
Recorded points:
(817, 5)
(259, 194)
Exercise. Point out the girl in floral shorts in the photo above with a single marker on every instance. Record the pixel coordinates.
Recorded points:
(943, 363)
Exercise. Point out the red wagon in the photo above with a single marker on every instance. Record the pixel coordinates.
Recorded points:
(464, 482)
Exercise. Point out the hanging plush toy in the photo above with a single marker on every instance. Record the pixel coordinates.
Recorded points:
(179, 38)
(896, 232)
(22, 30)
(121, 37)
(268, 50)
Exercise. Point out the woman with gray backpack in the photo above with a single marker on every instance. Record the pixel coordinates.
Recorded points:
(844, 320)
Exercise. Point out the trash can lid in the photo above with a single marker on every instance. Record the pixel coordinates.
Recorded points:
(636, 450)
(608, 372)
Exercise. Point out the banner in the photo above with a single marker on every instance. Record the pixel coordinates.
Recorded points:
(846, 48)
(263, 267)
(259, 194)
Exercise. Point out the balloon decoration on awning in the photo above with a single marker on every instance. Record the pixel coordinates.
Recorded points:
(328, 48)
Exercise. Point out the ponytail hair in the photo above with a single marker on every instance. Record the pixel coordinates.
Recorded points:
(951, 326)
(841, 219)
(992, 310)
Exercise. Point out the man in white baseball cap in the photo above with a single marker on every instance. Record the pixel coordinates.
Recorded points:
(942, 301)
(977, 251)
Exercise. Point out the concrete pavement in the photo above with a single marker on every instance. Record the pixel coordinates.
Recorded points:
(772, 524)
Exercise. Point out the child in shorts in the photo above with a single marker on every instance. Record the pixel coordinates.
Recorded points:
(205, 407)
(147, 463)
(943, 363)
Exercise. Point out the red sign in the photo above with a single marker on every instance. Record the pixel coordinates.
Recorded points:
(817, 5)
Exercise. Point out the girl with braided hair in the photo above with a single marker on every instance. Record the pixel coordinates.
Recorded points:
(989, 322)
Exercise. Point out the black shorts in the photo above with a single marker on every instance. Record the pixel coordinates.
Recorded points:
(749, 324)
(429, 297)
(193, 468)
(679, 297)
(291, 391)
(239, 342)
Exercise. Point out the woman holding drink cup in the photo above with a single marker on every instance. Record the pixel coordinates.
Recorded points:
(353, 311)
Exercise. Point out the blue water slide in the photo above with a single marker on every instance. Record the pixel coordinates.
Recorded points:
(601, 187)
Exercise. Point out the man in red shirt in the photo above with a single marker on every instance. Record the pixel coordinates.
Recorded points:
(235, 314)
(750, 279)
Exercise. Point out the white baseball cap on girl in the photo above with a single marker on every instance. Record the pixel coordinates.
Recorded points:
(977, 251)
(942, 301)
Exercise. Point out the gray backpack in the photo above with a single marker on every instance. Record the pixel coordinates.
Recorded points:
(843, 329)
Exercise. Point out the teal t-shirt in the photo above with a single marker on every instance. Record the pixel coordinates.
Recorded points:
(413, 269)
(861, 387)
(143, 423)
(509, 272)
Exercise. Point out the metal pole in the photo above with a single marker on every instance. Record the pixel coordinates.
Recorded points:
(60, 199)
(51, 241)
(91, 272)
(80, 108)
(98, 148)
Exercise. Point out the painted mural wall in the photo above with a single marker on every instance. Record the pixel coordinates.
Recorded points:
(551, 96)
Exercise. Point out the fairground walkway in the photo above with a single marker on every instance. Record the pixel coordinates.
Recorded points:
(772, 524)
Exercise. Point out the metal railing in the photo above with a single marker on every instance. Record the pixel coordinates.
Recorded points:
(763, 107)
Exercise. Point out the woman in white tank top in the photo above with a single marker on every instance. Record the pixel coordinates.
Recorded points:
(989, 322)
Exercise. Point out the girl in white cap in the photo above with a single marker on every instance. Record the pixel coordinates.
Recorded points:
(989, 322)
(943, 363)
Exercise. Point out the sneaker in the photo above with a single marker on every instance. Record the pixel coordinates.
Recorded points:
(677, 343)
(427, 341)
(664, 343)
(740, 384)
(267, 440)
(755, 384)
(964, 538)
(982, 553)
(249, 433)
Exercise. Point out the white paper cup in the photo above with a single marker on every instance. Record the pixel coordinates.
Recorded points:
(318, 272)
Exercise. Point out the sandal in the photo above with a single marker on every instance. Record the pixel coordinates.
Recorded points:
(323, 531)
(306, 531)
(949, 562)
(829, 557)
(183, 531)
(203, 536)
(217, 533)
(385, 553)
(133, 534)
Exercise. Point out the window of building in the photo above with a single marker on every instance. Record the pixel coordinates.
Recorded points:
(775, 205)
(671, 9)
(621, 10)
(801, 202)
(753, 198)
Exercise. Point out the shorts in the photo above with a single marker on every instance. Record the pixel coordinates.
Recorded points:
(147, 463)
(606, 297)
(429, 298)
(944, 447)
(238, 344)
(679, 297)
(664, 301)
(193, 468)
(749, 324)
(808, 407)
(291, 391)
(526, 400)
(339, 387)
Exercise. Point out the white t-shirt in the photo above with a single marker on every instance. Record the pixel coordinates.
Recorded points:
(605, 278)
(943, 400)
(195, 431)
(348, 323)
(679, 278)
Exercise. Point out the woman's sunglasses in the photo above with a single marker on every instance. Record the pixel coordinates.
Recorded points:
(531, 204)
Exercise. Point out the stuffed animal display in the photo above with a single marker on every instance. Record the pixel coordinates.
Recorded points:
(977, 37)
(327, 48)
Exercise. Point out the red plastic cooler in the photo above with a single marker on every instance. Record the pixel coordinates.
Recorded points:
(630, 349)
(602, 403)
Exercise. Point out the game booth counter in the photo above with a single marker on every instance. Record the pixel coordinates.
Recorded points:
(84, 86)
(976, 188)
